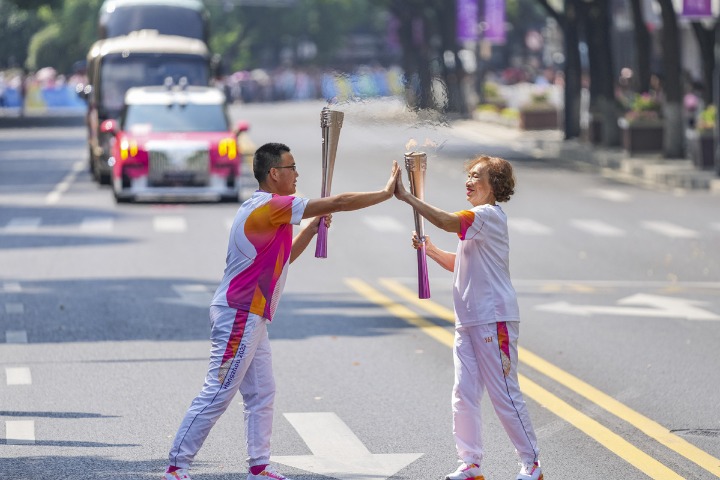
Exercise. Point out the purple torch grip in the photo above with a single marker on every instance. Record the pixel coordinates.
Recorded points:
(423, 283)
(321, 245)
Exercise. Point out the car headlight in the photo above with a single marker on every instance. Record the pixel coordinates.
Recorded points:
(128, 148)
(227, 147)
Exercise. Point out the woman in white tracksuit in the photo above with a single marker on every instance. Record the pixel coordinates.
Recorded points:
(486, 316)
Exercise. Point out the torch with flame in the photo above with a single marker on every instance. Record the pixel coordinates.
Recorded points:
(416, 165)
(330, 123)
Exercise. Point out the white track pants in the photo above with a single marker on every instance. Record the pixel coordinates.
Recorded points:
(486, 357)
(240, 359)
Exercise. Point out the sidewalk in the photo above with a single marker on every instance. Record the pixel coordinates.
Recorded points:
(647, 171)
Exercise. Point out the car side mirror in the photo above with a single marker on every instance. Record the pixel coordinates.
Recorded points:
(242, 126)
(108, 126)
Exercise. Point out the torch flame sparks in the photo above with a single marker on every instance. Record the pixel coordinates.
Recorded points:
(410, 144)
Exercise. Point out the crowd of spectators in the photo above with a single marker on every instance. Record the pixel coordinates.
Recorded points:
(290, 84)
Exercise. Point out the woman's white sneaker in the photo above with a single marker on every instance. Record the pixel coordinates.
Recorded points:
(530, 471)
(466, 471)
(181, 474)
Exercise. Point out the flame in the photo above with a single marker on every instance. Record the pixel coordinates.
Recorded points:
(410, 144)
(429, 143)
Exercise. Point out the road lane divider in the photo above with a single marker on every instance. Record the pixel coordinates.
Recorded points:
(54, 196)
(20, 432)
(649, 427)
(605, 437)
(18, 376)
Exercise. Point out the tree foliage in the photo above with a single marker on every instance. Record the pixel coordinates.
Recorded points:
(17, 26)
(309, 31)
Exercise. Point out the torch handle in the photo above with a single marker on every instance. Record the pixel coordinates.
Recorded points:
(423, 282)
(322, 235)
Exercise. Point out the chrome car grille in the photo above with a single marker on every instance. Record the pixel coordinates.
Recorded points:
(178, 166)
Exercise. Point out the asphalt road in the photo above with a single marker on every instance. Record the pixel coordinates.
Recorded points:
(104, 330)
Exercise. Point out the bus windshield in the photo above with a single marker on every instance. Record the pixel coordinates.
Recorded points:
(166, 19)
(119, 73)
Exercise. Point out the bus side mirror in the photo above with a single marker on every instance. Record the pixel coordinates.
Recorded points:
(83, 91)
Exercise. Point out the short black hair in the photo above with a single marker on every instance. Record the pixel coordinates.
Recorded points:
(267, 157)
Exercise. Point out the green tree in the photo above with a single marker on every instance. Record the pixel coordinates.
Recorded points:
(69, 33)
(16, 28)
(263, 36)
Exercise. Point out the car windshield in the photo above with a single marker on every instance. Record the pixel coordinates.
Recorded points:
(175, 118)
(166, 19)
(120, 73)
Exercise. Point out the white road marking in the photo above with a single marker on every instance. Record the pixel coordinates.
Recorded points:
(169, 224)
(23, 224)
(16, 336)
(596, 227)
(610, 195)
(670, 230)
(54, 196)
(18, 376)
(20, 432)
(658, 307)
(12, 287)
(337, 452)
(384, 223)
(14, 308)
(528, 226)
(97, 224)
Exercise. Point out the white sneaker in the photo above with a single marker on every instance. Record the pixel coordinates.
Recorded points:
(181, 474)
(530, 471)
(267, 474)
(466, 471)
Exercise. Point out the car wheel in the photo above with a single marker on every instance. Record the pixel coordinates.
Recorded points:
(120, 199)
(104, 178)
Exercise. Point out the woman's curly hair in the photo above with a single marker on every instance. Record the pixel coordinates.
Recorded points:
(500, 175)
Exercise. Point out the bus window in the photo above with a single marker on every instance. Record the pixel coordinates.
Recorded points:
(119, 73)
(117, 19)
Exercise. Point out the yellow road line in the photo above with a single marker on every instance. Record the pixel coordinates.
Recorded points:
(649, 427)
(601, 434)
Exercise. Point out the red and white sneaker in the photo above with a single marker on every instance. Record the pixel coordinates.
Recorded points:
(181, 474)
(466, 471)
(530, 471)
(268, 474)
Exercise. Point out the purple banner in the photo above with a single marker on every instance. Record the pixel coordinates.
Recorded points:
(697, 8)
(467, 20)
(494, 21)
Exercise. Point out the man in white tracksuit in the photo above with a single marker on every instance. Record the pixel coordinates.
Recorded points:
(487, 316)
(260, 248)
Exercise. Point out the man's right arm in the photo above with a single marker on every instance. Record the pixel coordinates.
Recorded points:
(344, 202)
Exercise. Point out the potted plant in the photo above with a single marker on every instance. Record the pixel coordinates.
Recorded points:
(701, 141)
(539, 113)
(492, 96)
(642, 125)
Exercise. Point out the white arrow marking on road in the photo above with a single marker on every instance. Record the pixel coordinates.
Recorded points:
(670, 230)
(338, 453)
(528, 226)
(666, 307)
